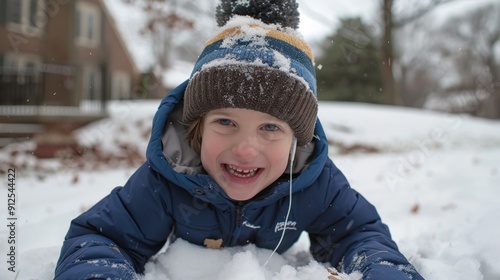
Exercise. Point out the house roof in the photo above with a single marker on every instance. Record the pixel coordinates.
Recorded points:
(119, 36)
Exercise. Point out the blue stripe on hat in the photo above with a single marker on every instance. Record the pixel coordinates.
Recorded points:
(300, 62)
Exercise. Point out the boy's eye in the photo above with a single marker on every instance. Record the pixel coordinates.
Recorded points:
(224, 122)
(270, 127)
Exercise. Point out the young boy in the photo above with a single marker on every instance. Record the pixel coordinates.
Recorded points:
(237, 156)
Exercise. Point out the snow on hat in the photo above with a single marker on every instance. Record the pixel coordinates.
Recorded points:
(257, 61)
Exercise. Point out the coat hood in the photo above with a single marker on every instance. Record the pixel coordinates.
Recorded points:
(169, 154)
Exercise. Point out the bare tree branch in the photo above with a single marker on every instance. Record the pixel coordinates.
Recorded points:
(420, 12)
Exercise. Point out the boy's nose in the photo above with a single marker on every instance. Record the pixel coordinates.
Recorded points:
(247, 147)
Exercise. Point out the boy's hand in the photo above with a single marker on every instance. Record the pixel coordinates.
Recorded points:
(333, 274)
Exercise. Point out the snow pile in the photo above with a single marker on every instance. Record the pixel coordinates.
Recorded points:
(118, 141)
(129, 125)
(231, 263)
(395, 129)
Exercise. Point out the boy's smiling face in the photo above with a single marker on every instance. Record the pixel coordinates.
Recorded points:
(244, 150)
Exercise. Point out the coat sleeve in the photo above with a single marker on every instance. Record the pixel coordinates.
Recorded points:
(350, 235)
(116, 237)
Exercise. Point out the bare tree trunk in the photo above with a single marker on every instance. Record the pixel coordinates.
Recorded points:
(491, 106)
(495, 76)
(390, 90)
(389, 84)
(497, 96)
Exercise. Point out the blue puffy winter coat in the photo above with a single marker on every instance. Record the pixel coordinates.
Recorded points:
(171, 196)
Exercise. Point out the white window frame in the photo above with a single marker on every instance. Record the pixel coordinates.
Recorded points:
(89, 25)
(91, 83)
(18, 63)
(25, 25)
(120, 85)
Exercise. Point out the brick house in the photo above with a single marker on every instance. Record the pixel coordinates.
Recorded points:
(60, 61)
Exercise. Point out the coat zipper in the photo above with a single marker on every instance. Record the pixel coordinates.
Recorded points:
(238, 222)
(239, 213)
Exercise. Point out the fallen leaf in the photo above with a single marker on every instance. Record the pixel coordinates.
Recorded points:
(213, 243)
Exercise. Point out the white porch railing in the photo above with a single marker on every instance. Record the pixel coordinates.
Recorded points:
(86, 108)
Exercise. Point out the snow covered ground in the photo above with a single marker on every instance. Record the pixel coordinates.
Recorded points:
(435, 179)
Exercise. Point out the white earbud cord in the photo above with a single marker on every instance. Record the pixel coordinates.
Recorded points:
(292, 158)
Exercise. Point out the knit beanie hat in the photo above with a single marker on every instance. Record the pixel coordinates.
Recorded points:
(257, 61)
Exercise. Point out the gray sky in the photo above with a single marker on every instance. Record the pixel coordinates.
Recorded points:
(320, 18)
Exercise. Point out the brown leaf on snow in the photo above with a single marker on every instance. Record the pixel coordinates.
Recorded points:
(83, 208)
(213, 243)
(415, 208)
(76, 179)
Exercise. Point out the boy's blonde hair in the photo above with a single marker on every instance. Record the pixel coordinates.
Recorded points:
(194, 133)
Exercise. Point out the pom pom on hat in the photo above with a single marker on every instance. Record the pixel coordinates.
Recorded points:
(282, 12)
(257, 61)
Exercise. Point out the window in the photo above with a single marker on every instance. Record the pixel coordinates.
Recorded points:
(88, 25)
(14, 11)
(120, 85)
(25, 67)
(20, 80)
(26, 16)
(92, 86)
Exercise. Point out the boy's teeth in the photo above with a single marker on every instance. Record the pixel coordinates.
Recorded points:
(240, 172)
